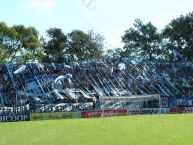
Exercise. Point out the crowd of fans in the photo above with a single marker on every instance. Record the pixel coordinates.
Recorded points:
(94, 79)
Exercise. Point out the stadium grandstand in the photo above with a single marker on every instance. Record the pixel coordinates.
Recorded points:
(94, 85)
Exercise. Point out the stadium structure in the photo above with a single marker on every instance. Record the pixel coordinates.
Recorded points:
(94, 85)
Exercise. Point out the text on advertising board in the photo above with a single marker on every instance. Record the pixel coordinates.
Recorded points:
(14, 118)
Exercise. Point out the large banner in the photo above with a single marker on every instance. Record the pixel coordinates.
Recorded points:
(52, 115)
(103, 113)
(14, 117)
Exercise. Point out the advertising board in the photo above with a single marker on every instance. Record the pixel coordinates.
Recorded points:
(188, 110)
(149, 111)
(14, 117)
(103, 113)
(177, 110)
(134, 112)
(52, 115)
(66, 115)
(155, 111)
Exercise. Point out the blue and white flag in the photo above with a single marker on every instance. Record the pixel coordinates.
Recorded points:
(177, 54)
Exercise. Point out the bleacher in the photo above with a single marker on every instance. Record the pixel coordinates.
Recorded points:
(51, 87)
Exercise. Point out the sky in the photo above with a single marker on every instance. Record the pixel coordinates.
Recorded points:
(110, 18)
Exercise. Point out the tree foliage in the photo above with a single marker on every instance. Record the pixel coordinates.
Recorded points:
(179, 33)
(85, 45)
(55, 46)
(3, 37)
(142, 41)
(16, 39)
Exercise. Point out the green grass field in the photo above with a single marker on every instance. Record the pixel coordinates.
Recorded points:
(129, 130)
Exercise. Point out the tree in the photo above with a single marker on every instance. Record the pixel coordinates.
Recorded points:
(18, 39)
(7, 41)
(113, 55)
(55, 46)
(179, 36)
(26, 41)
(85, 46)
(142, 41)
(3, 47)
